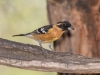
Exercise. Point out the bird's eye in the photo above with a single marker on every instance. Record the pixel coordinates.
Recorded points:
(65, 24)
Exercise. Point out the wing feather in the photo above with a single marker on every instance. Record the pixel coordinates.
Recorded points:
(43, 30)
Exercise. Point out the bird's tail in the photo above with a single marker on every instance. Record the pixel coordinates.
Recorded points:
(19, 35)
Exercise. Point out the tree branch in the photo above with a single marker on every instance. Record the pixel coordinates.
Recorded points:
(31, 57)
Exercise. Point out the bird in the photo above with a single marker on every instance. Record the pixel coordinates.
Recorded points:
(48, 33)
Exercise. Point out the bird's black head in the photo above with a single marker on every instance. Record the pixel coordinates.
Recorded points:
(65, 25)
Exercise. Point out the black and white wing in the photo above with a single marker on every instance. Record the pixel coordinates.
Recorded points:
(43, 30)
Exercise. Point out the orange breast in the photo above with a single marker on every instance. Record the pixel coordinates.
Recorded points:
(52, 35)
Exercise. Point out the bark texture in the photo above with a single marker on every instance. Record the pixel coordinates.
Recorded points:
(84, 15)
(32, 57)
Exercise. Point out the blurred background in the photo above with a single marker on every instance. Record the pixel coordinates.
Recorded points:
(21, 16)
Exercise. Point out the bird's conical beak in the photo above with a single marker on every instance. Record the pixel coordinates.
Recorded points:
(71, 28)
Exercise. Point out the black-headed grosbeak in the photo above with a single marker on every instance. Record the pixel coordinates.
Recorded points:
(48, 33)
